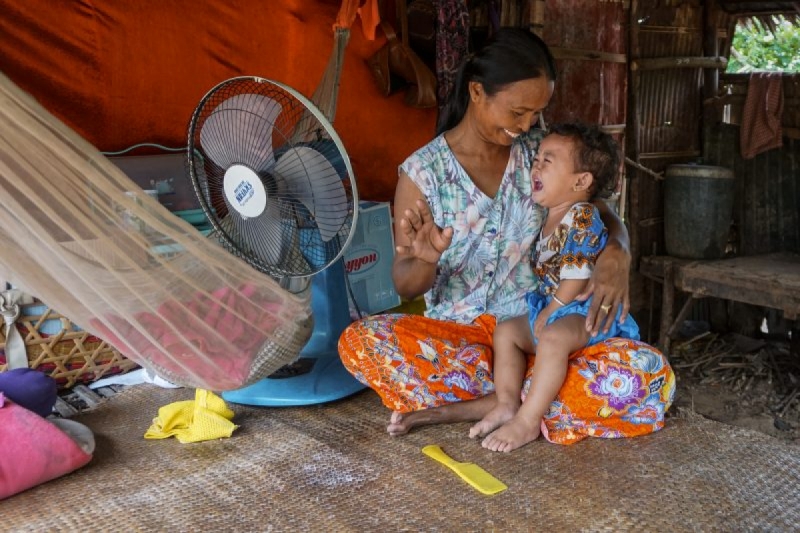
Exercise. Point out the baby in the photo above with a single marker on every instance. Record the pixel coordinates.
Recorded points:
(573, 165)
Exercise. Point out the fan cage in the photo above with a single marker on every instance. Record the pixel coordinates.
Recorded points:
(300, 249)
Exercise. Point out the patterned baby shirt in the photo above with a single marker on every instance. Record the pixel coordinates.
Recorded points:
(571, 250)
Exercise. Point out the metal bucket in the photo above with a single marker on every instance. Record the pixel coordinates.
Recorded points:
(698, 209)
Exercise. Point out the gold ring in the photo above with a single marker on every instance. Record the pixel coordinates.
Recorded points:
(606, 308)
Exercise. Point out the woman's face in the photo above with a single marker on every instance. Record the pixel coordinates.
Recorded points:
(511, 111)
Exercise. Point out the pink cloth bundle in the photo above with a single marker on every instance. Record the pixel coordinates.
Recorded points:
(34, 450)
(212, 340)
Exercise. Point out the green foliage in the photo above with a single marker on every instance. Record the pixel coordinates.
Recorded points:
(757, 47)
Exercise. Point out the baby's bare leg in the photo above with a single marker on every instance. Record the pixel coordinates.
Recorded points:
(512, 340)
(557, 341)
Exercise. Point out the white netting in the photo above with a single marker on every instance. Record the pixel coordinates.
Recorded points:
(82, 236)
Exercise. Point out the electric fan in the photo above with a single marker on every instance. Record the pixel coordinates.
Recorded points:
(276, 184)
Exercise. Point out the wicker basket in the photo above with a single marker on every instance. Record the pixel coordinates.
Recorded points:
(59, 348)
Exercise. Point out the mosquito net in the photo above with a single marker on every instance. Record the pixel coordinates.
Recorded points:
(82, 236)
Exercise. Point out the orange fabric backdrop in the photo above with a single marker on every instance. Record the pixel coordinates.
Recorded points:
(122, 72)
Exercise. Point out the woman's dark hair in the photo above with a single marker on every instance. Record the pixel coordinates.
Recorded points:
(510, 55)
(595, 152)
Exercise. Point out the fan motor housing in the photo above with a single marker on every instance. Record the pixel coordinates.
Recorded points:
(245, 191)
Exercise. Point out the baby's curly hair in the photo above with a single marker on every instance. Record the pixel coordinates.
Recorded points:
(595, 152)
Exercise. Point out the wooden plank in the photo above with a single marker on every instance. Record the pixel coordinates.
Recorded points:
(587, 55)
(647, 28)
(770, 280)
(652, 221)
(792, 133)
(86, 394)
(613, 128)
(634, 164)
(64, 409)
(686, 154)
(657, 63)
(780, 271)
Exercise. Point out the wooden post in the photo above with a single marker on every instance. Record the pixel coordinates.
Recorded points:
(667, 305)
(687, 306)
(536, 16)
(632, 138)
(710, 48)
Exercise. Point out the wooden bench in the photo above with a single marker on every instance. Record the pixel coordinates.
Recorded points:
(771, 280)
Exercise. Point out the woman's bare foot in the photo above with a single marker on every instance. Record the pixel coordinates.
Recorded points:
(467, 411)
(502, 413)
(401, 423)
(513, 434)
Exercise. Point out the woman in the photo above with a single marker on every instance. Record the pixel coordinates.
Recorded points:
(465, 222)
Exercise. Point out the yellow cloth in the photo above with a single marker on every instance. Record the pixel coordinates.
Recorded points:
(204, 418)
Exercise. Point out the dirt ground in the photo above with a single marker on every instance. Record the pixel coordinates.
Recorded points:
(736, 380)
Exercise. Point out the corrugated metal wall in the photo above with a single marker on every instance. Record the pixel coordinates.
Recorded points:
(767, 203)
(767, 198)
(668, 100)
(665, 123)
(592, 87)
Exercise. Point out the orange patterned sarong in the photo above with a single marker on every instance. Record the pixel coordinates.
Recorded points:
(616, 388)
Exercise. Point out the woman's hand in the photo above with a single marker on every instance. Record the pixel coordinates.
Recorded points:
(419, 242)
(541, 322)
(427, 241)
(610, 286)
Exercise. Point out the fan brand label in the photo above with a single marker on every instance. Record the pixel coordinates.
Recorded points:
(366, 259)
(244, 191)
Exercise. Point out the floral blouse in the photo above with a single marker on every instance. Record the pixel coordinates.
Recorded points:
(487, 268)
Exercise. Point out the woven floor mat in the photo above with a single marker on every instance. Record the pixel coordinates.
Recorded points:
(333, 468)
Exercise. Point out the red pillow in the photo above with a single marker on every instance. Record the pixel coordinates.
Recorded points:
(34, 450)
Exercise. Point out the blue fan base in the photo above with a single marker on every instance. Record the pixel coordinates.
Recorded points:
(327, 380)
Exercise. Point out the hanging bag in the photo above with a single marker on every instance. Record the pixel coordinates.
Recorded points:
(396, 65)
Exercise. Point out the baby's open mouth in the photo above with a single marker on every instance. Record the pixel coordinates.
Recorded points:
(537, 184)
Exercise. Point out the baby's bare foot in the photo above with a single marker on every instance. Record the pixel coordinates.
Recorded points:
(501, 414)
(514, 434)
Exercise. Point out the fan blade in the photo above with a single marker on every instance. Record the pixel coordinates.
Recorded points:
(239, 130)
(261, 237)
(311, 178)
(265, 234)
